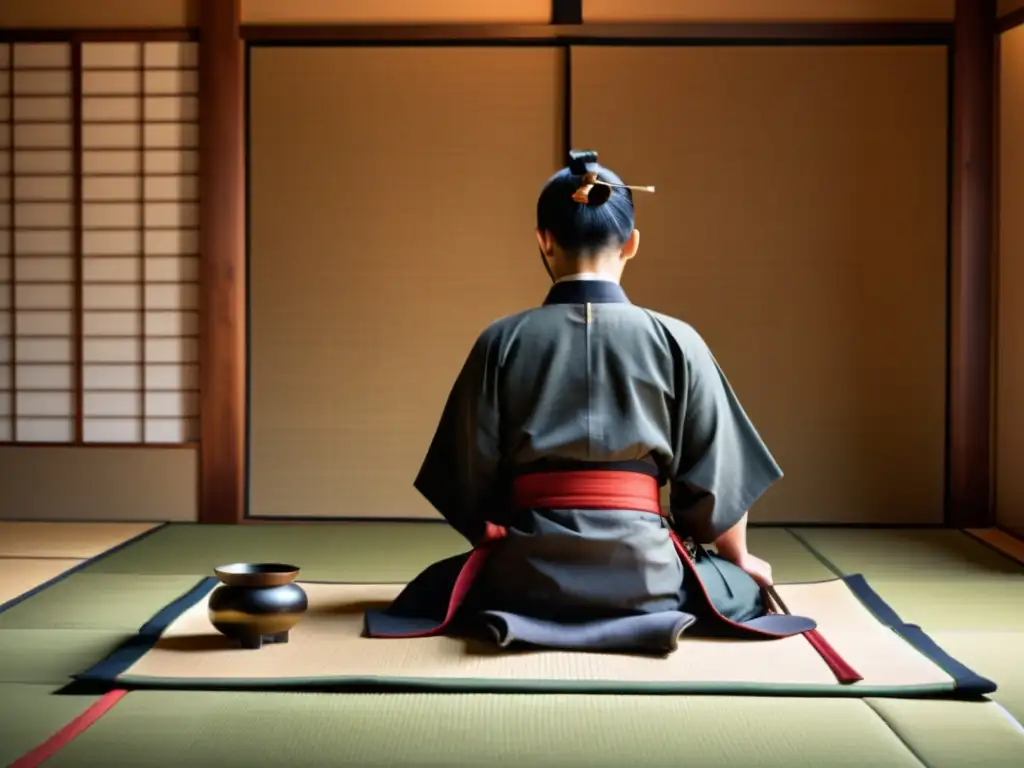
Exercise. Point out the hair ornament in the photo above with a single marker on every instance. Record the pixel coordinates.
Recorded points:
(590, 180)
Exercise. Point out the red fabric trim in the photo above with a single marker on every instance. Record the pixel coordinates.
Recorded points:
(844, 673)
(587, 489)
(688, 561)
(463, 582)
(69, 732)
(840, 668)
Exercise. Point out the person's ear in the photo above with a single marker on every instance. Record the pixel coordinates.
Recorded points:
(631, 246)
(546, 243)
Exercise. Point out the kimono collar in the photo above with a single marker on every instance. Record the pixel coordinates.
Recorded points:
(586, 292)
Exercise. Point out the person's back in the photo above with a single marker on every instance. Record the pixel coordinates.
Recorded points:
(558, 432)
(586, 382)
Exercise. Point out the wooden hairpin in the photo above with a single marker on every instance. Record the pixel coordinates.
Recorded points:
(590, 180)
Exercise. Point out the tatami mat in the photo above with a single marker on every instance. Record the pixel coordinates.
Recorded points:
(946, 734)
(241, 730)
(31, 714)
(51, 657)
(19, 575)
(955, 603)
(374, 552)
(97, 601)
(964, 593)
(68, 540)
(328, 648)
(961, 591)
(790, 560)
(914, 554)
(996, 655)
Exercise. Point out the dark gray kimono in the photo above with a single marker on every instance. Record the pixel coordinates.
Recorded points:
(589, 380)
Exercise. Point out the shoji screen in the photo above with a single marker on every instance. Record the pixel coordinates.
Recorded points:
(39, 294)
(97, 281)
(393, 197)
(139, 242)
(800, 226)
(98, 243)
(6, 248)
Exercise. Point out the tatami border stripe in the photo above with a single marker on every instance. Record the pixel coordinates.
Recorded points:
(71, 731)
(76, 568)
(109, 671)
(446, 685)
(968, 682)
(816, 554)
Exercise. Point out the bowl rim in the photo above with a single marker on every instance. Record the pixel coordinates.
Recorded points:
(271, 569)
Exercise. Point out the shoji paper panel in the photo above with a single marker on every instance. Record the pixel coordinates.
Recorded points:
(1010, 329)
(37, 337)
(6, 249)
(140, 257)
(393, 197)
(800, 226)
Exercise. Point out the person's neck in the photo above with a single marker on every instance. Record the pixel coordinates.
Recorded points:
(588, 275)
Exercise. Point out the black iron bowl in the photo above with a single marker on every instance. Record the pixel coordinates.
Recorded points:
(257, 603)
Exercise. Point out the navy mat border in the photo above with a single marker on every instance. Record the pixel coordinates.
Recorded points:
(967, 680)
(124, 657)
(75, 569)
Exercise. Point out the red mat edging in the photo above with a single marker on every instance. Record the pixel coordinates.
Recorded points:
(70, 732)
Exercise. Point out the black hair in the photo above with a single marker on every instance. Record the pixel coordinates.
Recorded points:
(583, 228)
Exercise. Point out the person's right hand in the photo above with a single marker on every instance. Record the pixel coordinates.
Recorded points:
(759, 570)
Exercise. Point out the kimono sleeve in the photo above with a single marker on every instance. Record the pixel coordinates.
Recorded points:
(721, 465)
(458, 476)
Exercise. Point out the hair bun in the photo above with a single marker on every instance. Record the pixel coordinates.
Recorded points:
(582, 161)
(599, 195)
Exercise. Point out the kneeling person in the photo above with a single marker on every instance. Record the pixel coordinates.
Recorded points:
(561, 427)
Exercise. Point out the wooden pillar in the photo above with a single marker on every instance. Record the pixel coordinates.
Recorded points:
(222, 250)
(969, 475)
(566, 11)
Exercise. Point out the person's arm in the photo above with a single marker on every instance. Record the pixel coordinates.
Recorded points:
(732, 545)
(721, 465)
(458, 473)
